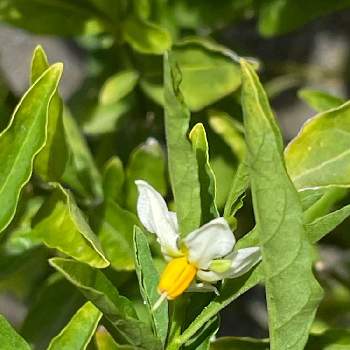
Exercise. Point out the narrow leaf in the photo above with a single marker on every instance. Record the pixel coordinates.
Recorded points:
(9, 339)
(21, 141)
(51, 161)
(320, 100)
(182, 161)
(148, 277)
(61, 225)
(79, 331)
(238, 343)
(113, 180)
(205, 173)
(286, 252)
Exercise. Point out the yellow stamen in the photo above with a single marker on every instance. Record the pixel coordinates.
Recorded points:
(176, 277)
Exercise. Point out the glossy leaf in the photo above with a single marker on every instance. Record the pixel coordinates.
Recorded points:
(183, 169)
(79, 331)
(51, 161)
(205, 173)
(209, 73)
(116, 235)
(319, 156)
(118, 86)
(61, 225)
(81, 172)
(9, 339)
(320, 100)
(146, 162)
(116, 308)
(22, 140)
(286, 252)
(146, 37)
(148, 277)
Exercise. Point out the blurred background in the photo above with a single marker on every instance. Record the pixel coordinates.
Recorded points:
(309, 52)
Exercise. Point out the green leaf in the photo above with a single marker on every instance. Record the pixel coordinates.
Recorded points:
(209, 72)
(148, 277)
(230, 290)
(79, 331)
(282, 16)
(146, 37)
(286, 251)
(51, 161)
(230, 130)
(206, 175)
(53, 307)
(182, 162)
(9, 339)
(239, 343)
(61, 17)
(116, 235)
(319, 100)
(147, 162)
(325, 224)
(104, 341)
(118, 86)
(319, 156)
(116, 308)
(22, 140)
(113, 180)
(81, 172)
(61, 225)
(331, 339)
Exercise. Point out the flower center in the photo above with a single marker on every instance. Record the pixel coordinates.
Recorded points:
(176, 277)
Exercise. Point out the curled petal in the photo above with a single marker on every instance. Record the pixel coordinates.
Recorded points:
(241, 262)
(154, 215)
(211, 241)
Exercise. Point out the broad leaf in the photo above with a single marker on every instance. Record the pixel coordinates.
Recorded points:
(51, 161)
(9, 339)
(61, 225)
(24, 137)
(237, 343)
(320, 154)
(79, 331)
(183, 169)
(286, 251)
(146, 37)
(104, 341)
(320, 100)
(209, 72)
(113, 180)
(116, 308)
(148, 277)
(118, 86)
(205, 173)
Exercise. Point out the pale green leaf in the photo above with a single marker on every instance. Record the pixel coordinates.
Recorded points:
(146, 37)
(9, 339)
(320, 100)
(319, 156)
(116, 308)
(205, 173)
(183, 169)
(209, 72)
(118, 86)
(104, 341)
(113, 180)
(148, 277)
(79, 331)
(146, 162)
(116, 235)
(286, 251)
(61, 225)
(51, 161)
(23, 138)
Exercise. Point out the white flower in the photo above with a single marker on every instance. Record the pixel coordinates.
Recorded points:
(205, 254)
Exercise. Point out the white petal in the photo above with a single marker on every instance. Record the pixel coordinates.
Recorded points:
(154, 215)
(211, 241)
(242, 261)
